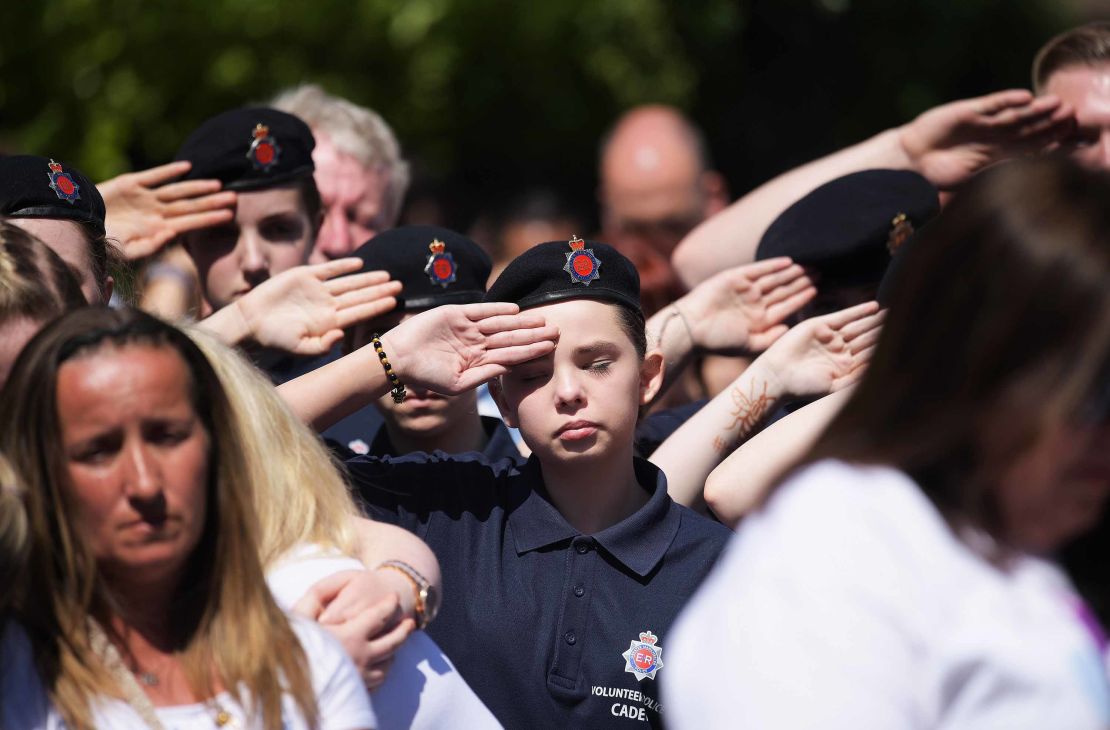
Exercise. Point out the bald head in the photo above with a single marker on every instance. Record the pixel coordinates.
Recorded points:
(654, 181)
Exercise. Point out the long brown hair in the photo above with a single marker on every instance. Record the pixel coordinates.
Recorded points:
(232, 631)
(998, 331)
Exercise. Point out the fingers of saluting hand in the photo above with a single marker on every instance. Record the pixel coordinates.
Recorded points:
(362, 312)
(763, 268)
(482, 310)
(513, 337)
(163, 173)
(783, 277)
(189, 189)
(215, 201)
(367, 293)
(839, 319)
(1000, 100)
(505, 322)
(195, 221)
(863, 325)
(338, 267)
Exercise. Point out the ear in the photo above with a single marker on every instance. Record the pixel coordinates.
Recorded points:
(714, 188)
(497, 392)
(651, 376)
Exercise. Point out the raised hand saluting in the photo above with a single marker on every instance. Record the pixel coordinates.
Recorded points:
(145, 211)
(304, 310)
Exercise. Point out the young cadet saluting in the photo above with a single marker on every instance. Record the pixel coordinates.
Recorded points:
(435, 266)
(562, 574)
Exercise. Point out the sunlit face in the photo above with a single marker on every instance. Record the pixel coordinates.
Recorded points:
(579, 403)
(1057, 491)
(136, 459)
(1087, 90)
(67, 240)
(15, 333)
(354, 199)
(271, 233)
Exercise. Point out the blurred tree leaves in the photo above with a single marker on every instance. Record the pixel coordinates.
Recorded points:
(489, 95)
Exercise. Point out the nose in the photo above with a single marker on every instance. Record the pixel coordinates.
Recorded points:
(143, 476)
(568, 389)
(253, 260)
(334, 240)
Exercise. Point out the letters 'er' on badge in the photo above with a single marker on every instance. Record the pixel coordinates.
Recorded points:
(582, 264)
(264, 150)
(441, 266)
(62, 184)
(644, 657)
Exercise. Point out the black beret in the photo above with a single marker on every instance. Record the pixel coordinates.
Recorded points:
(435, 265)
(575, 269)
(848, 229)
(250, 149)
(37, 187)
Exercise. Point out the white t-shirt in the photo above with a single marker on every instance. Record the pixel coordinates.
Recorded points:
(340, 696)
(849, 603)
(422, 688)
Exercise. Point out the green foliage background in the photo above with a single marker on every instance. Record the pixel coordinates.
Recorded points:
(488, 95)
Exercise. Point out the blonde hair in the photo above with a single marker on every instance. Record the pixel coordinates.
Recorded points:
(34, 281)
(13, 539)
(231, 630)
(298, 494)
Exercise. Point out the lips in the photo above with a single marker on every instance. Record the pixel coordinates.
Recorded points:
(576, 430)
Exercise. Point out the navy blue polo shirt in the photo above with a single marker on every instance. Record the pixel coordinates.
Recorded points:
(499, 442)
(550, 627)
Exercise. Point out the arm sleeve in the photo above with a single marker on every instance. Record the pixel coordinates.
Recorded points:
(412, 490)
(341, 698)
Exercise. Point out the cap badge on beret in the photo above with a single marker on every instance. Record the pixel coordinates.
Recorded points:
(264, 150)
(901, 228)
(63, 184)
(581, 264)
(441, 266)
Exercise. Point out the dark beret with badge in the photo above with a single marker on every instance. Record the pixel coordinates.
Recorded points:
(250, 149)
(575, 269)
(434, 265)
(39, 187)
(848, 229)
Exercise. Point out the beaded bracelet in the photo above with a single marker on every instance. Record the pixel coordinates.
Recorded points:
(398, 391)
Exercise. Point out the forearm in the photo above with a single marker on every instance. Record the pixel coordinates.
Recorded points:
(330, 393)
(741, 481)
(691, 453)
(731, 237)
(379, 542)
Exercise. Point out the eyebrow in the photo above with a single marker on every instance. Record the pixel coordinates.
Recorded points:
(599, 347)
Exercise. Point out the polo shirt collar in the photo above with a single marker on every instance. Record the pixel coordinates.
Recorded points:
(638, 542)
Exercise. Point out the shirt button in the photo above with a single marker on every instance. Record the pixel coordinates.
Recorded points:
(579, 591)
(582, 548)
(570, 638)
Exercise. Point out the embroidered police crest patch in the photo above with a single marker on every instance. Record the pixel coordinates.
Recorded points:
(62, 184)
(644, 657)
(264, 150)
(582, 264)
(441, 265)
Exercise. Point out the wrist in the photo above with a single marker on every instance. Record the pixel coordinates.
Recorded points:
(425, 595)
(898, 149)
(767, 374)
(400, 585)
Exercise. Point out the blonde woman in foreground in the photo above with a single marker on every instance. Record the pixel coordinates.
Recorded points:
(146, 603)
(314, 545)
